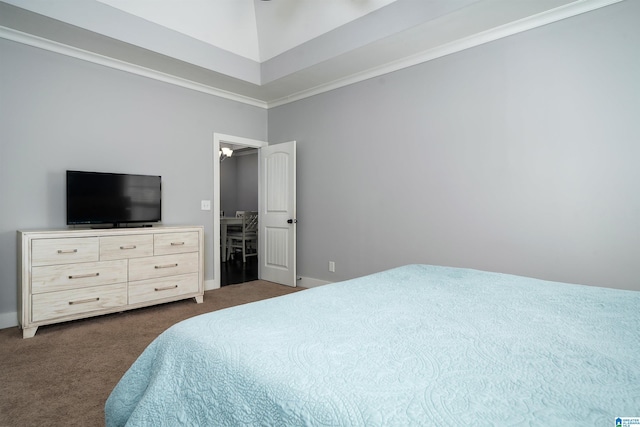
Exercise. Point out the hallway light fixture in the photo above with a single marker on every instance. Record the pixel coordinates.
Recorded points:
(224, 153)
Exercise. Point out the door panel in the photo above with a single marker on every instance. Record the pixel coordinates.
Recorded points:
(277, 241)
(277, 247)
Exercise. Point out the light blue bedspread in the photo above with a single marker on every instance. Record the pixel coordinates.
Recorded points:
(416, 345)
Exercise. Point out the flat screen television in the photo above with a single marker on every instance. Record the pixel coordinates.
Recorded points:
(112, 198)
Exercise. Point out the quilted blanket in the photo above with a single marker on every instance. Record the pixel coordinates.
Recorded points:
(416, 345)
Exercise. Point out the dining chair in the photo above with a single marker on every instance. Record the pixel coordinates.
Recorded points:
(246, 239)
(234, 227)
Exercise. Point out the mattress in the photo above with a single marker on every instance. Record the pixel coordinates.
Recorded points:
(416, 345)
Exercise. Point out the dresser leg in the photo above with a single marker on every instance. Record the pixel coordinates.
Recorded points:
(29, 332)
(199, 299)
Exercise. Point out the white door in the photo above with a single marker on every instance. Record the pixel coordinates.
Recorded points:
(277, 204)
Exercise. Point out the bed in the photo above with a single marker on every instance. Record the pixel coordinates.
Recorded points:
(415, 345)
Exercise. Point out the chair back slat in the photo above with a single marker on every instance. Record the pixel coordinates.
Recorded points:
(250, 222)
(246, 239)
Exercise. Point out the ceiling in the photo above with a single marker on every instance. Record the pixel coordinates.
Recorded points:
(258, 30)
(267, 53)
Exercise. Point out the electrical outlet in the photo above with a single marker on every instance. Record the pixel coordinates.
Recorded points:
(205, 205)
(332, 266)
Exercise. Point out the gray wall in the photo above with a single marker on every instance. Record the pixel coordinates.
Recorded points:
(519, 156)
(239, 183)
(58, 113)
(228, 186)
(247, 177)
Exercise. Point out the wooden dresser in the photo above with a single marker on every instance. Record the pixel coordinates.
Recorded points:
(73, 274)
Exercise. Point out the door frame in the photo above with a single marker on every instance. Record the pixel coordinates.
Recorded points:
(235, 140)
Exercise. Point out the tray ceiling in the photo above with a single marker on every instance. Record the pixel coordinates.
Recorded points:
(268, 53)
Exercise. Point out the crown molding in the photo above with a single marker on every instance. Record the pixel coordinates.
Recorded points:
(525, 24)
(84, 55)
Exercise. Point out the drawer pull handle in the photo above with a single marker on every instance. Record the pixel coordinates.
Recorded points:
(84, 276)
(166, 266)
(177, 243)
(84, 301)
(166, 288)
(67, 251)
(128, 247)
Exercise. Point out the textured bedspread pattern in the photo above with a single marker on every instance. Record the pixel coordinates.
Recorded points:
(416, 345)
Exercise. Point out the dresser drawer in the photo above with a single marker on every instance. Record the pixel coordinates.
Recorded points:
(54, 305)
(64, 251)
(175, 243)
(124, 247)
(155, 289)
(75, 276)
(163, 266)
(68, 274)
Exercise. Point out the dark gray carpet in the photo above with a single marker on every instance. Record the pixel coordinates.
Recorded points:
(63, 376)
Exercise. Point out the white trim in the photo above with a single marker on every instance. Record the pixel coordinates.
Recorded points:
(238, 140)
(84, 55)
(211, 284)
(217, 139)
(308, 282)
(9, 320)
(525, 24)
(487, 36)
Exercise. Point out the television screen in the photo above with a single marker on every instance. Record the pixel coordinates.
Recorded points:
(112, 198)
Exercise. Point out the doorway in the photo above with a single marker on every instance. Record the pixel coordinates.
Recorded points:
(276, 206)
(238, 194)
(233, 271)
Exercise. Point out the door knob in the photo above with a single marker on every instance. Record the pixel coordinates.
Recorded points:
(292, 221)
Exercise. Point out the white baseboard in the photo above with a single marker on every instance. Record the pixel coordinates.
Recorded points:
(304, 282)
(211, 284)
(8, 320)
(308, 282)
